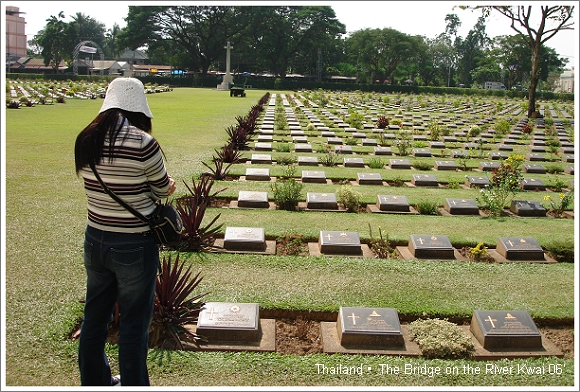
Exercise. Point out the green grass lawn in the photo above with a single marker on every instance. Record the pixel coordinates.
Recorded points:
(44, 275)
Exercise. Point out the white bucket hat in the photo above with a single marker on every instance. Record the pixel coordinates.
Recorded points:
(127, 94)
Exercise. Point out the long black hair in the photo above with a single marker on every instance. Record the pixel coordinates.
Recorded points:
(90, 142)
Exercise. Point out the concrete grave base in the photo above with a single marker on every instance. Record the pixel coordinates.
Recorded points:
(266, 342)
(331, 344)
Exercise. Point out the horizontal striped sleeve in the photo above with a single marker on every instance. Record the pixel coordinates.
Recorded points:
(136, 173)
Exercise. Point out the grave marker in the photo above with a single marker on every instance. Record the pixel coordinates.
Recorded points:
(340, 242)
(479, 182)
(527, 208)
(303, 147)
(343, 149)
(229, 322)
(504, 147)
(534, 168)
(261, 158)
(393, 203)
(424, 180)
(369, 179)
(317, 176)
(445, 165)
(252, 199)
(421, 152)
(244, 239)
(459, 154)
(431, 246)
(369, 327)
(307, 161)
(506, 330)
(461, 206)
(354, 162)
(258, 174)
(535, 157)
(488, 166)
(383, 151)
(263, 146)
(321, 201)
(399, 164)
(533, 184)
(519, 248)
(498, 155)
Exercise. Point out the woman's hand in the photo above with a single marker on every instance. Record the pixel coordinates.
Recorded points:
(171, 186)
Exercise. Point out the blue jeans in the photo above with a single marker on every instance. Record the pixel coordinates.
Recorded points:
(120, 267)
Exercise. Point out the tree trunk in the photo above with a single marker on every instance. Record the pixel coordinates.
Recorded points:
(534, 76)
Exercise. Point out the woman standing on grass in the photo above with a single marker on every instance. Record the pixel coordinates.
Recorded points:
(121, 257)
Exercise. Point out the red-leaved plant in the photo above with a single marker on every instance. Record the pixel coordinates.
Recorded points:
(175, 305)
(191, 209)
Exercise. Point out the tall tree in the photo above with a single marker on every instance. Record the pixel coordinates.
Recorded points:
(431, 60)
(110, 43)
(285, 37)
(55, 40)
(513, 55)
(451, 50)
(380, 50)
(552, 19)
(88, 28)
(201, 31)
(471, 50)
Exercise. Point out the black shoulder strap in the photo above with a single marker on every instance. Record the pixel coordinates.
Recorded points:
(117, 198)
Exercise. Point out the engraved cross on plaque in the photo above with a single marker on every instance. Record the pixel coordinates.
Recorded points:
(353, 318)
(328, 236)
(212, 311)
(491, 321)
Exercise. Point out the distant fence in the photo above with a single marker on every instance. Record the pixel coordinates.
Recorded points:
(294, 85)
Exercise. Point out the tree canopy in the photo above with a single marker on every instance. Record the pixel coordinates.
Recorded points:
(535, 32)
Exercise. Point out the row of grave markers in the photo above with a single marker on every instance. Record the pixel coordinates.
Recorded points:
(358, 330)
(348, 243)
(428, 180)
(395, 204)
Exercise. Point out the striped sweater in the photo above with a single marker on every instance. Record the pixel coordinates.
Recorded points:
(136, 174)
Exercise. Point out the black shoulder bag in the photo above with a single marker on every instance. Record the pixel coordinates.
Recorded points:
(164, 222)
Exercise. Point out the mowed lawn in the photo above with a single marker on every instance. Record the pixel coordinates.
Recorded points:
(44, 276)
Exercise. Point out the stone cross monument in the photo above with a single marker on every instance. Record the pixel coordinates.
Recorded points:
(228, 78)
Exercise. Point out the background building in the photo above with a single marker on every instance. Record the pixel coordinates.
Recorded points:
(15, 32)
(566, 82)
